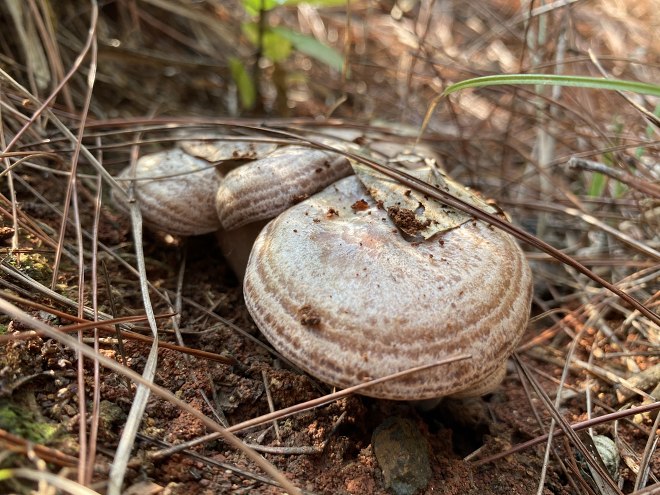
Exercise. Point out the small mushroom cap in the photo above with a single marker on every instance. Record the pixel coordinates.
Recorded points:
(182, 203)
(338, 291)
(262, 189)
(215, 147)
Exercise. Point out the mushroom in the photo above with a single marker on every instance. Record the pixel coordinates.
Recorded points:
(215, 147)
(336, 288)
(255, 192)
(175, 192)
(262, 189)
(178, 191)
(334, 285)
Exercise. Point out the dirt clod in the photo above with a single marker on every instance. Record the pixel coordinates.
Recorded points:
(407, 221)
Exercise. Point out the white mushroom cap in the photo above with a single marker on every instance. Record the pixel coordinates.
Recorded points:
(215, 147)
(338, 291)
(262, 189)
(181, 204)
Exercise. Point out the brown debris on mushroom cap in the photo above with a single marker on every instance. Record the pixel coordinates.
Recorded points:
(383, 305)
(264, 188)
(182, 203)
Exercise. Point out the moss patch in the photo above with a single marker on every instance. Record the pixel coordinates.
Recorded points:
(22, 422)
(33, 265)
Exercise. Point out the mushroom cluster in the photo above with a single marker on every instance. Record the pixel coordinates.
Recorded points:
(333, 283)
(228, 187)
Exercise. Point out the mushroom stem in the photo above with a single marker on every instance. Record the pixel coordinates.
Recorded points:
(235, 245)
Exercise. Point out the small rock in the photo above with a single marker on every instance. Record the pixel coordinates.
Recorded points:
(608, 453)
(605, 448)
(403, 456)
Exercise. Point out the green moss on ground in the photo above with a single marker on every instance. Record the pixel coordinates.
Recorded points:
(22, 422)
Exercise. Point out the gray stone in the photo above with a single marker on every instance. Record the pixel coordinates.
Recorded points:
(403, 456)
(608, 453)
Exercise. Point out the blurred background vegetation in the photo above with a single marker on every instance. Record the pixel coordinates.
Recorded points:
(576, 167)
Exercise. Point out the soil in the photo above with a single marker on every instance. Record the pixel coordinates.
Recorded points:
(405, 219)
(339, 433)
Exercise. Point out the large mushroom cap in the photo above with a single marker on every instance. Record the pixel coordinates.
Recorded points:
(176, 192)
(339, 292)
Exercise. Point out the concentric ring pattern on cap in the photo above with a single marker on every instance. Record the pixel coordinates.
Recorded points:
(340, 293)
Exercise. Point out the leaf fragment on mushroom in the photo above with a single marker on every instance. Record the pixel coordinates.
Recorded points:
(413, 212)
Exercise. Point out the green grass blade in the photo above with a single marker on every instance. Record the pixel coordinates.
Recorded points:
(556, 80)
(597, 187)
(247, 91)
(312, 47)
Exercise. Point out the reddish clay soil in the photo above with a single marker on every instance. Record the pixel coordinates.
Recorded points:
(338, 435)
